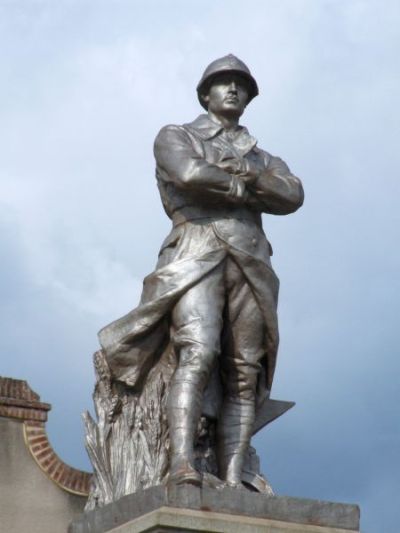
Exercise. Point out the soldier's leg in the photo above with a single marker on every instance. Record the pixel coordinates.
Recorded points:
(196, 332)
(243, 348)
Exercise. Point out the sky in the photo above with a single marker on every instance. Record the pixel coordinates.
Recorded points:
(84, 88)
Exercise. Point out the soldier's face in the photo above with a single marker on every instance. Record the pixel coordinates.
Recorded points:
(228, 95)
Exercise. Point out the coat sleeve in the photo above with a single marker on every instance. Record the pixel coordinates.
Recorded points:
(178, 162)
(276, 190)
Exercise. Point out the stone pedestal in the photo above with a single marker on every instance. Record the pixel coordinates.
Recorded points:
(189, 509)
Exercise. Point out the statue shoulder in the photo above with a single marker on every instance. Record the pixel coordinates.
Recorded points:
(170, 130)
(272, 162)
(169, 136)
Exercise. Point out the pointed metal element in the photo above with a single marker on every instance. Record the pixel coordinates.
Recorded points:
(269, 411)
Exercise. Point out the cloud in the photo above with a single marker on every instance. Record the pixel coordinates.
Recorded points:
(84, 89)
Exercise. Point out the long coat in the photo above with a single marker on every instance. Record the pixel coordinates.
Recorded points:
(203, 178)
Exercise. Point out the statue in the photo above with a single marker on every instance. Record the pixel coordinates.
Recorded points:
(184, 380)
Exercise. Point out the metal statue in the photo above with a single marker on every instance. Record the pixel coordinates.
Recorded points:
(201, 346)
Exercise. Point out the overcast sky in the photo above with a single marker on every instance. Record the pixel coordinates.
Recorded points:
(84, 88)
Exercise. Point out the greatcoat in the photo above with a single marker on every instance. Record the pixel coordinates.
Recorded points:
(213, 218)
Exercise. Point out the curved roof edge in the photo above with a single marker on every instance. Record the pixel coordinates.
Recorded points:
(19, 401)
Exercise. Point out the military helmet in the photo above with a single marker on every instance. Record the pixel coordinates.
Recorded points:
(229, 63)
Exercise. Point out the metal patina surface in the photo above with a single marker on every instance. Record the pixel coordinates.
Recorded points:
(184, 380)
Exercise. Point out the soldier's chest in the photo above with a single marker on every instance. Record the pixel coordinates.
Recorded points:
(220, 149)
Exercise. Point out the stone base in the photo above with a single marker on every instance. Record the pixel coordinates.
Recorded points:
(187, 508)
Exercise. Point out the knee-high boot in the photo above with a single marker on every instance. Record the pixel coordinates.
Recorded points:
(235, 429)
(184, 410)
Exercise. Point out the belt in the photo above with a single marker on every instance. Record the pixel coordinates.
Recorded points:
(185, 214)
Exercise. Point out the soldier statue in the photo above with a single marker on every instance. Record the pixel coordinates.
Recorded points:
(212, 298)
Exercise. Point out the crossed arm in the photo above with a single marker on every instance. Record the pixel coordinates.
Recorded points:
(268, 187)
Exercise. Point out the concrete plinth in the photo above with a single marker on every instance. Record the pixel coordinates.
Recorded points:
(189, 509)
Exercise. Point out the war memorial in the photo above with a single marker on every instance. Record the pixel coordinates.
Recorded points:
(184, 380)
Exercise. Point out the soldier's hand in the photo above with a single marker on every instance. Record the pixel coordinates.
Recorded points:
(232, 166)
(253, 170)
(238, 191)
(242, 168)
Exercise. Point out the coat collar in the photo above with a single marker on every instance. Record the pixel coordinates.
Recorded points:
(206, 129)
